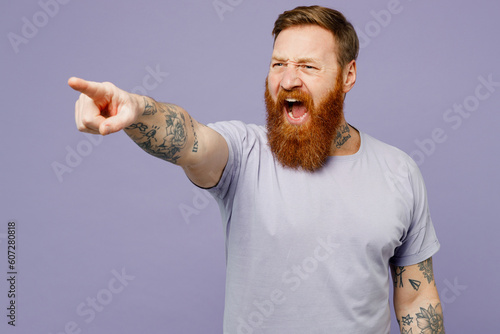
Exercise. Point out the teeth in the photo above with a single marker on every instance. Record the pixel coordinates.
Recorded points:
(290, 102)
(291, 116)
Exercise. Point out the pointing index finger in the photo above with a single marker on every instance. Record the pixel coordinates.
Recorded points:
(89, 88)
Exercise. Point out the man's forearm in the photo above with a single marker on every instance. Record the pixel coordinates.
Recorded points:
(165, 131)
(425, 316)
(416, 299)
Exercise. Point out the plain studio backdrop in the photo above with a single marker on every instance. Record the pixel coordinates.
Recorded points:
(111, 240)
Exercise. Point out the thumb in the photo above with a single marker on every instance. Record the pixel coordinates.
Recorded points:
(120, 121)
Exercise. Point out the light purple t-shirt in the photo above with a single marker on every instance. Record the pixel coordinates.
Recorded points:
(310, 252)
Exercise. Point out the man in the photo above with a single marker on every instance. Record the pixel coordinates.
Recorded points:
(315, 211)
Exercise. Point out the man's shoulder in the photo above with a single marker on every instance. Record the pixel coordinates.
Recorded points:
(378, 146)
(391, 154)
(239, 130)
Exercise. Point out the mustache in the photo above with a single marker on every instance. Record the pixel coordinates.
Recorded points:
(301, 96)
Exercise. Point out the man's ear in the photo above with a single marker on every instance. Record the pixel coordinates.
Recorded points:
(349, 75)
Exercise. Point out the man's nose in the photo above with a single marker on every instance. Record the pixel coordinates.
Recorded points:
(290, 79)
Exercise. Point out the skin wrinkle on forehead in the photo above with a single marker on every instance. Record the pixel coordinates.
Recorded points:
(302, 61)
(296, 61)
(292, 40)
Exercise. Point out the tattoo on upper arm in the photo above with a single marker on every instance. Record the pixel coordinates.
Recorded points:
(415, 284)
(399, 281)
(426, 268)
(162, 142)
(195, 144)
(343, 135)
(398, 276)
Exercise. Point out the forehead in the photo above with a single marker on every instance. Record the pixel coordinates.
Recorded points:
(305, 42)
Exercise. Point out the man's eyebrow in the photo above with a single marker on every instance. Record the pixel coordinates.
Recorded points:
(302, 60)
(278, 58)
(306, 60)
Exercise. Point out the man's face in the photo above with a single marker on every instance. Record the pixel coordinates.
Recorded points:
(303, 59)
(304, 97)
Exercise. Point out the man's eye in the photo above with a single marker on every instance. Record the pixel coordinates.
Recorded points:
(308, 67)
(277, 64)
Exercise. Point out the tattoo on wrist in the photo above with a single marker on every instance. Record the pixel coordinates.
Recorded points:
(149, 109)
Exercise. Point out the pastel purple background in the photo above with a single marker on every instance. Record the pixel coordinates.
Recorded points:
(120, 209)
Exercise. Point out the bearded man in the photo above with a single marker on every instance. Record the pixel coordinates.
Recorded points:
(315, 211)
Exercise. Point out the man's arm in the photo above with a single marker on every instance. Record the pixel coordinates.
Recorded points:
(164, 130)
(416, 300)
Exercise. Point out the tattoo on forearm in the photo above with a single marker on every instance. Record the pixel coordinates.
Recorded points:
(430, 320)
(343, 135)
(149, 109)
(162, 142)
(407, 320)
(195, 144)
(426, 268)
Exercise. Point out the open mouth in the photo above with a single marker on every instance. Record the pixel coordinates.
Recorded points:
(295, 110)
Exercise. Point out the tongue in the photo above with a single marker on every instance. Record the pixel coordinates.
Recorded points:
(298, 110)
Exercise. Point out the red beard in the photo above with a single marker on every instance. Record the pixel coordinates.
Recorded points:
(308, 145)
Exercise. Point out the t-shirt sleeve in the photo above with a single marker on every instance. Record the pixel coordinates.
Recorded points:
(234, 134)
(420, 242)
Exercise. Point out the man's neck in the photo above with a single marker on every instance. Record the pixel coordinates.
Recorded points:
(347, 141)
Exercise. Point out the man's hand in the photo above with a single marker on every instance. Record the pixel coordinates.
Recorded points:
(163, 130)
(103, 108)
